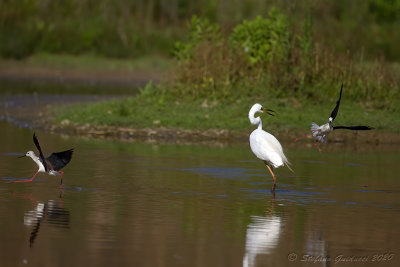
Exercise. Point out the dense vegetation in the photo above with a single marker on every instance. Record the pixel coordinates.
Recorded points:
(122, 28)
(266, 57)
(291, 54)
(219, 75)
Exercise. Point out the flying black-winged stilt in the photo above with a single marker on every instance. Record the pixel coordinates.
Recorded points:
(51, 165)
(320, 132)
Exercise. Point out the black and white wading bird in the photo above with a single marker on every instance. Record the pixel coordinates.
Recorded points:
(264, 145)
(51, 165)
(321, 132)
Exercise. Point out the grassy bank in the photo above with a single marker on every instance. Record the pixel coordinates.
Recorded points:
(292, 115)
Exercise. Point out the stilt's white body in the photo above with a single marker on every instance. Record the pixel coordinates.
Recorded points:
(50, 165)
(320, 132)
(36, 159)
(264, 145)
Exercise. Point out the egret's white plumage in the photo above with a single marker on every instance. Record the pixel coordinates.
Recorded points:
(264, 145)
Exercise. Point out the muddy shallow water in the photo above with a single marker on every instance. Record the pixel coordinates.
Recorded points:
(141, 204)
(35, 110)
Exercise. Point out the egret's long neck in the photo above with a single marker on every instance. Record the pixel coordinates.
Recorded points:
(255, 120)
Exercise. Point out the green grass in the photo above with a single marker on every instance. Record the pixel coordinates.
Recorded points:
(148, 112)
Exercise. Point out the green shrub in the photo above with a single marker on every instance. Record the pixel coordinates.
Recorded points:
(262, 58)
(264, 40)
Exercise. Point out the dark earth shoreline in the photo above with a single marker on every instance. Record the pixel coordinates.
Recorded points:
(35, 111)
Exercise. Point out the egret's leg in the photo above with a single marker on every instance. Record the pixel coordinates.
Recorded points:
(273, 177)
(23, 181)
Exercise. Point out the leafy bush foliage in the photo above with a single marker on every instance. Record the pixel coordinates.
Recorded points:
(264, 57)
(264, 40)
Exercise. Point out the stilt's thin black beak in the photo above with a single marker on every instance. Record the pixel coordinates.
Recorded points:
(21, 157)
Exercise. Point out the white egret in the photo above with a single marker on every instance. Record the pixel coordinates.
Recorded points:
(264, 145)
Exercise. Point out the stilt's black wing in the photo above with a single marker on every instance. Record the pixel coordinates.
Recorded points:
(58, 160)
(336, 109)
(35, 140)
(354, 128)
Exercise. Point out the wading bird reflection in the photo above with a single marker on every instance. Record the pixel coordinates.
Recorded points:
(51, 212)
(262, 237)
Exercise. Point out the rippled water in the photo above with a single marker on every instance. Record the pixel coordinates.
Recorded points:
(136, 204)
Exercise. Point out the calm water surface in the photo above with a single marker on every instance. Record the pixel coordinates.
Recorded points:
(136, 204)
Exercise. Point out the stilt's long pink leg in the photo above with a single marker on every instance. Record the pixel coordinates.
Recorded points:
(62, 175)
(317, 147)
(24, 181)
(299, 138)
(273, 177)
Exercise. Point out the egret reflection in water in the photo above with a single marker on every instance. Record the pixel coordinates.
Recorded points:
(262, 236)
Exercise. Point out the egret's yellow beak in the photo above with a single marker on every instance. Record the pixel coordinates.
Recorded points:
(268, 111)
